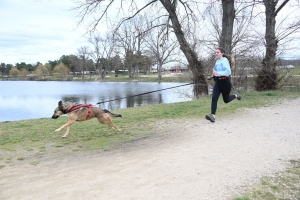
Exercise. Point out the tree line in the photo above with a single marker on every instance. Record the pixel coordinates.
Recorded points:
(73, 65)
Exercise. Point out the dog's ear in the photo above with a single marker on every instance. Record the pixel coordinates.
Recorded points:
(60, 104)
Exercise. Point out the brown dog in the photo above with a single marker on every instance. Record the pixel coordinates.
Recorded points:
(83, 112)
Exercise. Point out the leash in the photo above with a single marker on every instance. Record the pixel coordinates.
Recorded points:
(148, 92)
(152, 91)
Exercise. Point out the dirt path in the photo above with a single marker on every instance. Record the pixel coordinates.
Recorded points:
(184, 160)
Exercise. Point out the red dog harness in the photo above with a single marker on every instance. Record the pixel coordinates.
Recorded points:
(80, 106)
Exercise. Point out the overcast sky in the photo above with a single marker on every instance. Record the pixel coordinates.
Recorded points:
(38, 30)
(34, 31)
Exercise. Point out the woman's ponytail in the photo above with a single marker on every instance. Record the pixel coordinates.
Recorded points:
(231, 60)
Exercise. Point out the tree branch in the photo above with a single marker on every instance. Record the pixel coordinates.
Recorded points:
(128, 18)
(281, 6)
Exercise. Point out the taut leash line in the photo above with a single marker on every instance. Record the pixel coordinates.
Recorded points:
(146, 93)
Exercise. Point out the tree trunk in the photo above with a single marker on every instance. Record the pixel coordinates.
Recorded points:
(267, 76)
(84, 68)
(194, 64)
(159, 68)
(99, 67)
(227, 25)
(102, 73)
(136, 71)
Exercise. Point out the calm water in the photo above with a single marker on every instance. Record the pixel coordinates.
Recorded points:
(21, 100)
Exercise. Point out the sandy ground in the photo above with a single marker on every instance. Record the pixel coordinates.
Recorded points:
(192, 159)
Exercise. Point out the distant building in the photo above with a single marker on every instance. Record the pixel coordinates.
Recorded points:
(178, 69)
(170, 68)
(287, 66)
(175, 69)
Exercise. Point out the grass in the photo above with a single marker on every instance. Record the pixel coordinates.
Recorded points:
(294, 71)
(34, 163)
(284, 185)
(30, 140)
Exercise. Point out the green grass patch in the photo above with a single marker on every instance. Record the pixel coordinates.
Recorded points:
(285, 185)
(21, 158)
(35, 163)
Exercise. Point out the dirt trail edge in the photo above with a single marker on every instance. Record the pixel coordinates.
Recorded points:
(192, 159)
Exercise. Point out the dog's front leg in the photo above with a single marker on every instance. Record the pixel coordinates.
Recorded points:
(60, 128)
(65, 125)
(67, 132)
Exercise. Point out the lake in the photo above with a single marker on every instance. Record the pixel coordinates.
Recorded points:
(23, 100)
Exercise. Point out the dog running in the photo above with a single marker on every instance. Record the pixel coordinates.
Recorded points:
(83, 112)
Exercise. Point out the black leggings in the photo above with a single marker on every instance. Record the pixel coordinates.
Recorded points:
(224, 87)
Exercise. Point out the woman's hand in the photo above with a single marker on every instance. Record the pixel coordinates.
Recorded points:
(215, 73)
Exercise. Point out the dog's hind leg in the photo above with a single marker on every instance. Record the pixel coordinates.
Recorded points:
(114, 126)
(107, 120)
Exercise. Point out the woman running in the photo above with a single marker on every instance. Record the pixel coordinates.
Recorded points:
(221, 73)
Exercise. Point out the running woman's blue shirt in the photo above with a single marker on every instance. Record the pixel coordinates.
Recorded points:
(222, 66)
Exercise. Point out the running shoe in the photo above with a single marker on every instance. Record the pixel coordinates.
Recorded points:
(238, 96)
(210, 117)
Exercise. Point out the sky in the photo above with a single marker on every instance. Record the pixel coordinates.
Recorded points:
(34, 31)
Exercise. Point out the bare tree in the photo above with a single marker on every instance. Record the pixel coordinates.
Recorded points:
(140, 36)
(83, 54)
(130, 41)
(95, 54)
(172, 20)
(125, 42)
(240, 35)
(103, 51)
(162, 47)
(234, 35)
(267, 78)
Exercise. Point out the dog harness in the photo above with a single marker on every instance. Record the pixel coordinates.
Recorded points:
(80, 106)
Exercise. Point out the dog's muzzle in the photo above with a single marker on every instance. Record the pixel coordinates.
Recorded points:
(55, 116)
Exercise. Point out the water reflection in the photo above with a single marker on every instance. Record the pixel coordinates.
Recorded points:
(30, 99)
(116, 101)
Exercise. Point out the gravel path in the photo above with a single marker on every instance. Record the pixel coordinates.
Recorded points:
(192, 159)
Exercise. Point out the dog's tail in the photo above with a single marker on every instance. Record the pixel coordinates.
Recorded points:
(112, 114)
